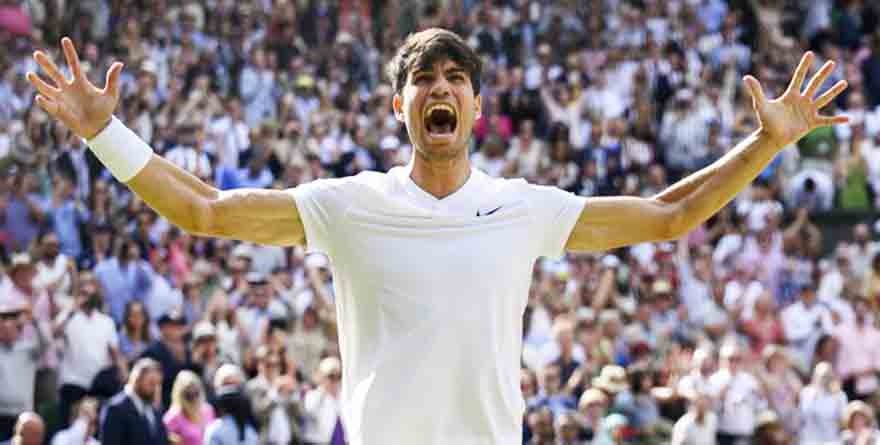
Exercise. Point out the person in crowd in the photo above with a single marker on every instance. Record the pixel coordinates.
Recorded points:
(83, 424)
(20, 356)
(131, 417)
(29, 429)
(859, 424)
(822, 405)
(321, 409)
(135, 333)
(276, 399)
(738, 396)
(170, 350)
(235, 424)
(189, 415)
(699, 425)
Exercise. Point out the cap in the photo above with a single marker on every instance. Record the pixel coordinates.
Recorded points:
(173, 317)
(256, 278)
(661, 287)
(305, 81)
(203, 329)
(243, 250)
(20, 260)
(389, 142)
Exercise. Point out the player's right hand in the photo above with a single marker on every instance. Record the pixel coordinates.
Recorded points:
(80, 105)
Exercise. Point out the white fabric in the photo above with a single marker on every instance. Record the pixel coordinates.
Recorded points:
(430, 299)
(822, 413)
(740, 404)
(75, 435)
(120, 150)
(687, 431)
(321, 412)
(88, 340)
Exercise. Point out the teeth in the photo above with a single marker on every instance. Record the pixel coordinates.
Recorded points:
(440, 107)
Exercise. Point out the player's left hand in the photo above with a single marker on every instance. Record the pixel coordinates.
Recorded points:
(795, 113)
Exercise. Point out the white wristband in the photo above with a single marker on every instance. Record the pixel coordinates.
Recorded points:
(122, 151)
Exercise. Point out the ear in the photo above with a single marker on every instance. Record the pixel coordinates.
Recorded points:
(478, 106)
(397, 106)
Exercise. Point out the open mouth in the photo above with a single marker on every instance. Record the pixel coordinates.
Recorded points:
(440, 120)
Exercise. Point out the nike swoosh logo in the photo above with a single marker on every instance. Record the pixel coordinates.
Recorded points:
(489, 212)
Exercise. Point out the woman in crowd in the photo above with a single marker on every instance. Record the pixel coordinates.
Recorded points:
(822, 405)
(189, 414)
(859, 425)
(782, 385)
(235, 424)
(134, 336)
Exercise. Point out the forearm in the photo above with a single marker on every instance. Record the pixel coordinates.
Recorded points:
(705, 192)
(174, 193)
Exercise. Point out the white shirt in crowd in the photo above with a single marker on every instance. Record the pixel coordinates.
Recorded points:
(77, 434)
(92, 335)
(687, 431)
(405, 264)
(741, 403)
(821, 412)
(321, 413)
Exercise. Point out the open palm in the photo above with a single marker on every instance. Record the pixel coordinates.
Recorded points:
(795, 113)
(84, 108)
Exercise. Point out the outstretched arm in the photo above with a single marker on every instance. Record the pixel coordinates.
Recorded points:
(260, 216)
(611, 222)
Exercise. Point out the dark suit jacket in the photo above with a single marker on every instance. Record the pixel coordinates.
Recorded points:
(123, 424)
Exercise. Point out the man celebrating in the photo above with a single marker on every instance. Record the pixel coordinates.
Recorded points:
(432, 261)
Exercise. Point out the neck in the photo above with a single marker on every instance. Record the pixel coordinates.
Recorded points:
(440, 177)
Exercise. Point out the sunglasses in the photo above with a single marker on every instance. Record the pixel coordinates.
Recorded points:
(334, 376)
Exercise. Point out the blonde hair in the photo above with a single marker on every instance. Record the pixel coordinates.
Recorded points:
(185, 379)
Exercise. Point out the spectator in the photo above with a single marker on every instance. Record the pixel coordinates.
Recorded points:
(135, 333)
(592, 408)
(66, 213)
(738, 395)
(131, 416)
(92, 363)
(782, 385)
(124, 277)
(859, 424)
(699, 425)
(83, 424)
(321, 410)
(170, 350)
(822, 404)
(234, 424)
(859, 361)
(804, 322)
(19, 356)
(189, 415)
(56, 272)
(29, 430)
(275, 397)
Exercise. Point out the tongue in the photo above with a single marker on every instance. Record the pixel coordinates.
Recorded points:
(440, 128)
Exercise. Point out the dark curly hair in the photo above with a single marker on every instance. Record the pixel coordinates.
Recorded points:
(424, 48)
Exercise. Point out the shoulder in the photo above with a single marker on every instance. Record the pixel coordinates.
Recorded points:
(117, 402)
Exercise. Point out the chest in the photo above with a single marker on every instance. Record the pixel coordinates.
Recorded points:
(439, 253)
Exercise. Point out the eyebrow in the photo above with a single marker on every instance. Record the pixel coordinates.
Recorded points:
(429, 70)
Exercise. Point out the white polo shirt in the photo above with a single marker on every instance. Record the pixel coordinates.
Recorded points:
(430, 299)
(87, 347)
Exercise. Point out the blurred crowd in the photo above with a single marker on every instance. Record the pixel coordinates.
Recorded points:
(746, 331)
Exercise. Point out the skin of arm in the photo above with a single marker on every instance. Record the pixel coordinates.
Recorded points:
(611, 222)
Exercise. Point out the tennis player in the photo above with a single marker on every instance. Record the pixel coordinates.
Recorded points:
(432, 261)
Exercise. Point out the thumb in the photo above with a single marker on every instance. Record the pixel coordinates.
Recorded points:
(756, 91)
(111, 87)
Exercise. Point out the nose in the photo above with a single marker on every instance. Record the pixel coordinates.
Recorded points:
(440, 88)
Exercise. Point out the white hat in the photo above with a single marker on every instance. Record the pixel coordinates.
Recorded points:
(243, 250)
(389, 142)
(203, 329)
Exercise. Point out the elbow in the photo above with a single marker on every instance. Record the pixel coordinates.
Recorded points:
(675, 223)
(201, 219)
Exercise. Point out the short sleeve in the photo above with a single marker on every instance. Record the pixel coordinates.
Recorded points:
(321, 205)
(555, 214)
